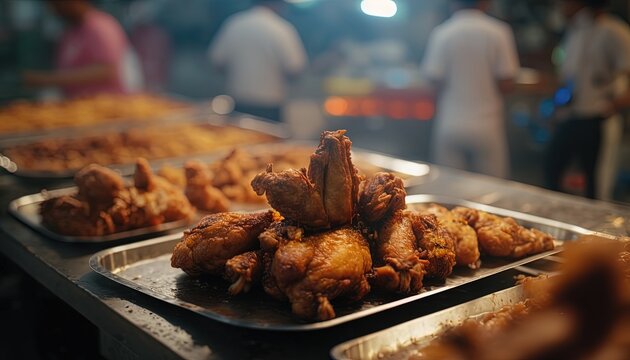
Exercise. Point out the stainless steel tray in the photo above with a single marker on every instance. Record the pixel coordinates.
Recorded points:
(398, 342)
(198, 117)
(145, 266)
(26, 209)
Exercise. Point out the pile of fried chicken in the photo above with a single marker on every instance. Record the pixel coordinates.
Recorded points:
(104, 205)
(583, 313)
(334, 235)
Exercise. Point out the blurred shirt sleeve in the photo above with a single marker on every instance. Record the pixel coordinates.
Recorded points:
(620, 49)
(434, 64)
(507, 64)
(219, 48)
(291, 52)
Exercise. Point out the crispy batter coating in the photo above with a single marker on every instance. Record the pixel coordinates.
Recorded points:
(313, 270)
(437, 243)
(399, 266)
(381, 196)
(321, 197)
(504, 237)
(243, 271)
(466, 244)
(98, 184)
(218, 238)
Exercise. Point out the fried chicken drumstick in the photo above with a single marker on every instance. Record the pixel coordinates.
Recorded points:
(380, 197)
(321, 197)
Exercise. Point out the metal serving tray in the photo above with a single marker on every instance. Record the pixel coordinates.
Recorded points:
(145, 266)
(198, 117)
(398, 342)
(26, 209)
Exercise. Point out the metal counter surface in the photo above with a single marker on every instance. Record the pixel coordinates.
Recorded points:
(134, 326)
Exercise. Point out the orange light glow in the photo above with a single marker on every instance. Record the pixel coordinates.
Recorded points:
(423, 110)
(336, 106)
(370, 107)
(398, 110)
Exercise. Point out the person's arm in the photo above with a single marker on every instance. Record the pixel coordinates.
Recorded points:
(82, 76)
(507, 64)
(619, 53)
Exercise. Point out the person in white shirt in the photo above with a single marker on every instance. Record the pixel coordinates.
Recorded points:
(597, 52)
(260, 52)
(471, 61)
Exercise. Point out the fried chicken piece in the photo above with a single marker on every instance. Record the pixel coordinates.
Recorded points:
(200, 193)
(218, 238)
(504, 237)
(381, 196)
(104, 206)
(321, 197)
(399, 266)
(316, 269)
(151, 201)
(466, 244)
(335, 177)
(437, 243)
(98, 185)
(175, 176)
(70, 216)
(293, 195)
(243, 271)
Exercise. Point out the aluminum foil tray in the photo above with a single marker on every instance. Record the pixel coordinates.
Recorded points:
(145, 266)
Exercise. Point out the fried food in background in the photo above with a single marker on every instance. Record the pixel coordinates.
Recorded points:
(103, 205)
(582, 313)
(165, 141)
(201, 194)
(21, 116)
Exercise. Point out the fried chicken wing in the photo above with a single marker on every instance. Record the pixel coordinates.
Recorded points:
(243, 271)
(437, 243)
(466, 244)
(70, 216)
(321, 197)
(381, 196)
(200, 193)
(504, 237)
(316, 269)
(218, 238)
(397, 256)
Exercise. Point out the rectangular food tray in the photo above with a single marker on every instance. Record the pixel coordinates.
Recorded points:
(397, 342)
(145, 266)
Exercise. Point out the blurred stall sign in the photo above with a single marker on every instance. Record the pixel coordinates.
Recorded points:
(397, 105)
(379, 8)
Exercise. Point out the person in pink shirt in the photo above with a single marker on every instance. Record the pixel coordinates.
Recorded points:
(92, 56)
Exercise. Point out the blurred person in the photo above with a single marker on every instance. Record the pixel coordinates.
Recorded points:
(259, 51)
(597, 48)
(471, 61)
(93, 55)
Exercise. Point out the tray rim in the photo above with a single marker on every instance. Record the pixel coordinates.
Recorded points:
(96, 266)
(15, 205)
(337, 352)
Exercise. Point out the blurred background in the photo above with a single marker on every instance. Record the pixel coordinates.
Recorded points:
(363, 72)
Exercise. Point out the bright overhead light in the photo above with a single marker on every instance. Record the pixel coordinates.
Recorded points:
(380, 8)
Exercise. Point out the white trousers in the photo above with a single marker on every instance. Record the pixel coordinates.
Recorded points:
(481, 152)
